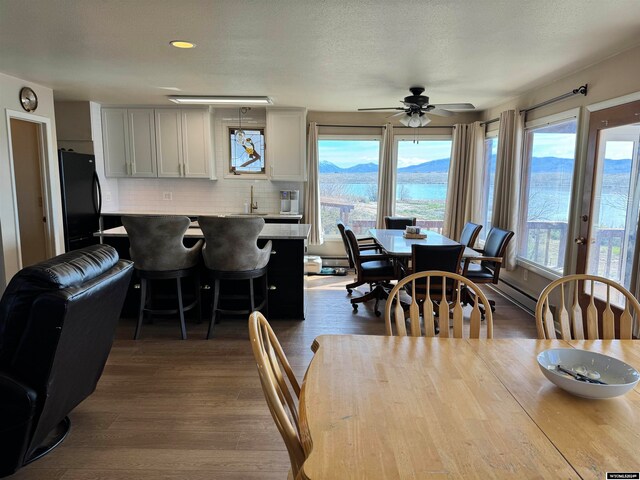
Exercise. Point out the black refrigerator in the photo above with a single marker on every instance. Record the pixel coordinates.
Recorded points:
(81, 199)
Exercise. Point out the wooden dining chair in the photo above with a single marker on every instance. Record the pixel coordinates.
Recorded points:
(443, 303)
(280, 387)
(570, 321)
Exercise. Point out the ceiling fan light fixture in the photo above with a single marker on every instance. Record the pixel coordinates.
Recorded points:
(415, 120)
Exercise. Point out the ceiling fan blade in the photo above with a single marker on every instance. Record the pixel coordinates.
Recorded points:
(455, 106)
(397, 114)
(441, 112)
(383, 108)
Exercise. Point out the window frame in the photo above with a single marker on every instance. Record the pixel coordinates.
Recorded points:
(485, 179)
(542, 122)
(348, 136)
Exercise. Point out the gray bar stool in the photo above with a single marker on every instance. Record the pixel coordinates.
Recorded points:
(158, 253)
(231, 253)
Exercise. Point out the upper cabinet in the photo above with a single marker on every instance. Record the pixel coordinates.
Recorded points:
(160, 142)
(286, 134)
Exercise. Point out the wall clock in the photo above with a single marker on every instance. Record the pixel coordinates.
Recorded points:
(28, 99)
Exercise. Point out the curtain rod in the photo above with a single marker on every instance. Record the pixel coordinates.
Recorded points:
(581, 90)
(383, 126)
(493, 120)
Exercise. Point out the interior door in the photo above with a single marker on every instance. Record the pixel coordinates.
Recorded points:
(25, 143)
(609, 226)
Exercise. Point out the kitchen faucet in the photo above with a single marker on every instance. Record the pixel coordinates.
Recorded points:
(252, 205)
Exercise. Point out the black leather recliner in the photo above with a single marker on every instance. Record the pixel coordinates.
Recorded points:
(57, 324)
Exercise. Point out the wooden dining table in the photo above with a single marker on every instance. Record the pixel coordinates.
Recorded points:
(375, 407)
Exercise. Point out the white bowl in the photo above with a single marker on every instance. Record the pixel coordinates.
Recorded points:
(618, 376)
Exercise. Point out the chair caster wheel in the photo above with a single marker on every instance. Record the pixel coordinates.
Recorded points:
(378, 313)
(355, 307)
(349, 291)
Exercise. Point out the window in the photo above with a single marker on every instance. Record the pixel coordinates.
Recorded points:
(549, 158)
(348, 175)
(422, 176)
(490, 155)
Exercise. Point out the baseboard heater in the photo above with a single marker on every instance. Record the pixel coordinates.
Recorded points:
(516, 295)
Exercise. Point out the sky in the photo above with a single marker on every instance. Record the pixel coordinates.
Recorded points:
(346, 153)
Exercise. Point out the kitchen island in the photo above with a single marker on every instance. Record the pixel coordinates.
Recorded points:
(285, 272)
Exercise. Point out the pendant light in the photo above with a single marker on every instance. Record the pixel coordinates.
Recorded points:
(241, 137)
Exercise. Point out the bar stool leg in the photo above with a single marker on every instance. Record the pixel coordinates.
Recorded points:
(251, 295)
(198, 297)
(266, 294)
(216, 296)
(143, 300)
(183, 327)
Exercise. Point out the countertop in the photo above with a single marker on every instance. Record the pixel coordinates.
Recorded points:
(271, 231)
(192, 214)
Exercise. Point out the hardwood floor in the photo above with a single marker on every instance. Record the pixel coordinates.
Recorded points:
(167, 409)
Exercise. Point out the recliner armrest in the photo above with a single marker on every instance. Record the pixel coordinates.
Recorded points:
(17, 409)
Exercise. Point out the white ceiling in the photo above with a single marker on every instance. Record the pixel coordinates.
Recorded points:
(322, 54)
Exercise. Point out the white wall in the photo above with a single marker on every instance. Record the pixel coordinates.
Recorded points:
(9, 237)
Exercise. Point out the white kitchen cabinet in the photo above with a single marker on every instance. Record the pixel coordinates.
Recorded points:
(129, 142)
(142, 144)
(184, 142)
(196, 144)
(169, 141)
(157, 142)
(115, 141)
(286, 134)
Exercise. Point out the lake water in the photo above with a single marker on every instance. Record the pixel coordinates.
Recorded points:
(544, 205)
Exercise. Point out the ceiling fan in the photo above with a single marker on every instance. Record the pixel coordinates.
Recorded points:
(416, 105)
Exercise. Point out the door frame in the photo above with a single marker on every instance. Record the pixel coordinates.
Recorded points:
(612, 115)
(48, 174)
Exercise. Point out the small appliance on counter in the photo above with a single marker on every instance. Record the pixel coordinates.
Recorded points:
(289, 202)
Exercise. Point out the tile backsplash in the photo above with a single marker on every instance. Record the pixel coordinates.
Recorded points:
(198, 195)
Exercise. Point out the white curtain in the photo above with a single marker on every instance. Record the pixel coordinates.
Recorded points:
(506, 195)
(464, 197)
(312, 192)
(386, 178)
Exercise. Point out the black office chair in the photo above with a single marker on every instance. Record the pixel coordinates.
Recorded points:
(57, 323)
(376, 270)
(469, 234)
(366, 246)
(399, 223)
(488, 270)
(159, 254)
(445, 258)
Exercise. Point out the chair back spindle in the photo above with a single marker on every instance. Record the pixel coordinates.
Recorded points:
(445, 295)
(278, 381)
(571, 324)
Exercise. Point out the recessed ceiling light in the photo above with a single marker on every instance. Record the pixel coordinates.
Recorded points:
(219, 100)
(182, 44)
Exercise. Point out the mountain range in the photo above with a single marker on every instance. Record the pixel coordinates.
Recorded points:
(539, 165)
